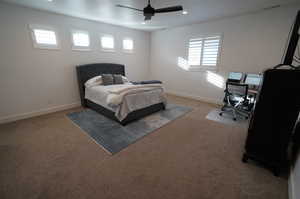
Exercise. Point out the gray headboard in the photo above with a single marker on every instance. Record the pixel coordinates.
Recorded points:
(88, 71)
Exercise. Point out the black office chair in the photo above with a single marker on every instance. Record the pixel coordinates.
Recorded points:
(235, 100)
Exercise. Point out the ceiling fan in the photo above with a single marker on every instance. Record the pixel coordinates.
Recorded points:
(149, 11)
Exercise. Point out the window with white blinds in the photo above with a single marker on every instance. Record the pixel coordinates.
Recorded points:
(128, 45)
(81, 40)
(44, 37)
(47, 37)
(204, 51)
(108, 43)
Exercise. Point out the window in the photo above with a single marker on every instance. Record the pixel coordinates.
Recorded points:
(204, 52)
(44, 37)
(128, 45)
(107, 43)
(81, 40)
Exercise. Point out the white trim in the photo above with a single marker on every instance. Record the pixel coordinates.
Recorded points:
(44, 111)
(291, 186)
(194, 97)
(32, 27)
(80, 48)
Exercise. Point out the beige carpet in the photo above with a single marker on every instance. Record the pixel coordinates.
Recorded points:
(192, 157)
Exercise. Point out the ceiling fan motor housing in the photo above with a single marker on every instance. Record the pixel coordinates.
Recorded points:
(149, 11)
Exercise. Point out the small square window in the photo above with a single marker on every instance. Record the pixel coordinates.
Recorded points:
(44, 38)
(128, 45)
(81, 40)
(107, 43)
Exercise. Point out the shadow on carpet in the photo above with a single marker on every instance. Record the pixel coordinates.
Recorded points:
(226, 118)
(114, 137)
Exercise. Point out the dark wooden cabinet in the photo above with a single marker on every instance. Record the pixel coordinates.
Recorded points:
(274, 118)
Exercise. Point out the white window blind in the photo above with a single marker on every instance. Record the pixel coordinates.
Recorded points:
(195, 51)
(46, 37)
(107, 42)
(204, 51)
(81, 39)
(128, 44)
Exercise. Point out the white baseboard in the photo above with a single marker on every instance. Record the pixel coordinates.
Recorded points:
(203, 99)
(291, 185)
(21, 116)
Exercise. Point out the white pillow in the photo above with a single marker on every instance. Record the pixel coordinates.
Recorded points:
(125, 79)
(95, 81)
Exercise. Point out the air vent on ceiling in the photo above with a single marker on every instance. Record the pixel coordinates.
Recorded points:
(272, 7)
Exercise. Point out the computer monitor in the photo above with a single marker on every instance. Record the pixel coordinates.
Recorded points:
(293, 42)
(235, 76)
(253, 79)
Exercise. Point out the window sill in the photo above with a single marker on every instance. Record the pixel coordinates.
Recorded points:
(46, 47)
(108, 50)
(81, 49)
(128, 51)
(202, 69)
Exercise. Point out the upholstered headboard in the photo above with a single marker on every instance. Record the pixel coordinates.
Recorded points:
(88, 71)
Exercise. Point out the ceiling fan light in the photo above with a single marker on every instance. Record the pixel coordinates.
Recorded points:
(185, 12)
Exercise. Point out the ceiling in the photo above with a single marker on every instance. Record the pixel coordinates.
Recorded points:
(106, 11)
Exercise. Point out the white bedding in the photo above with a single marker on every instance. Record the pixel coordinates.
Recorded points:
(125, 98)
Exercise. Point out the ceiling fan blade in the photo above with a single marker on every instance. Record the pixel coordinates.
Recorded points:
(121, 6)
(169, 9)
(147, 18)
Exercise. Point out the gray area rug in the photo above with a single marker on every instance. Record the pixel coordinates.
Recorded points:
(226, 118)
(114, 137)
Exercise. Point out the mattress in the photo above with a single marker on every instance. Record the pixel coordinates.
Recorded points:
(131, 102)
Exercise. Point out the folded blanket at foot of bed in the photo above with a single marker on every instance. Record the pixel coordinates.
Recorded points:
(128, 98)
(147, 82)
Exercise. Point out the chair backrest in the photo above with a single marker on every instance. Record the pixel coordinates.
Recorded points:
(237, 89)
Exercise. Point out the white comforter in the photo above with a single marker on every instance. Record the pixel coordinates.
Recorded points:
(125, 98)
(117, 94)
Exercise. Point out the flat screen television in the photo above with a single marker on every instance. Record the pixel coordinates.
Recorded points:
(293, 42)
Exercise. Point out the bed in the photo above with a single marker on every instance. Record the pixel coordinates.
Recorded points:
(86, 72)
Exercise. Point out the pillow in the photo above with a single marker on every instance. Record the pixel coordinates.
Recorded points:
(95, 81)
(118, 79)
(107, 79)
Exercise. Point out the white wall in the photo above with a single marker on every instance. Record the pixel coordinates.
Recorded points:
(34, 80)
(251, 43)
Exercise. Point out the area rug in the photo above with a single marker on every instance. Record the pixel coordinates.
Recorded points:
(226, 118)
(114, 137)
